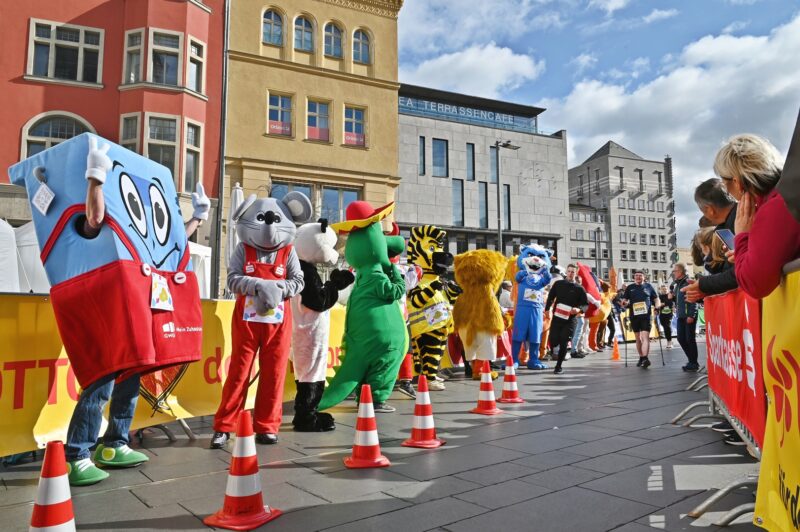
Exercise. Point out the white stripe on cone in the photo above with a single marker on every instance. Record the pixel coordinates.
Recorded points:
(424, 422)
(367, 438)
(52, 490)
(244, 446)
(485, 396)
(510, 386)
(365, 410)
(423, 398)
(69, 526)
(243, 486)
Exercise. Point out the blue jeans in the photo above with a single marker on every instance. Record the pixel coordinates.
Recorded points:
(576, 336)
(686, 337)
(84, 427)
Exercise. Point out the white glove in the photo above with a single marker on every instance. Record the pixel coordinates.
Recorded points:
(200, 203)
(97, 162)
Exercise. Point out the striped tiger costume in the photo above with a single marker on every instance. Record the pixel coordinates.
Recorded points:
(429, 303)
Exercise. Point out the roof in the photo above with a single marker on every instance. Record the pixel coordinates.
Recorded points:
(612, 149)
(414, 91)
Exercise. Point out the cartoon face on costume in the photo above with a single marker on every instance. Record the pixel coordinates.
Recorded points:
(425, 249)
(315, 243)
(142, 213)
(268, 224)
(533, 258)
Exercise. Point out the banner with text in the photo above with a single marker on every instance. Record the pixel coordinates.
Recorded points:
(38, 389)
(778, 495)
(733, 342)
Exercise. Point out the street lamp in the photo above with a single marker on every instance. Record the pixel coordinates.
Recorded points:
(597, 252)
(497, 145)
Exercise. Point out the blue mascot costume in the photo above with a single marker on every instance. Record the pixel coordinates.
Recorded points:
(533, 277)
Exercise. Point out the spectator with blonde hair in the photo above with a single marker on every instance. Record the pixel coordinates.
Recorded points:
(708, 251)
(767, 236)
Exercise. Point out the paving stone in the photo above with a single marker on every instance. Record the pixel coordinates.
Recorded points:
(562, 477)
(584, 433)
(540, 442)
(611, 463)
(650, 483)
(331, 515)
(424, 516)
(504, 494)
(555, 512)
(612, 444)
(428, 490)
(344, 486)
(121, 510)
(497, 473)
(549, 460)
(451, 462)
(674, 517)
(283, 496)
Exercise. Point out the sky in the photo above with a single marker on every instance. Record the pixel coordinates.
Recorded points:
(659, 77)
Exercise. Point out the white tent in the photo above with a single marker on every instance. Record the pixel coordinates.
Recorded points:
(32, 277)
(201, 264)
(9, 280)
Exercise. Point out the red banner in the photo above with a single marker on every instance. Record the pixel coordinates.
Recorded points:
(733, 339)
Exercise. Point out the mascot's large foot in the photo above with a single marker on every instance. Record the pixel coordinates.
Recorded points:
(319, 422)
(536, 365)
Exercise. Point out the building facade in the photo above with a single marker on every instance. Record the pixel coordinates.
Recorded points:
(147, 75)
(314, 106)
(622, 214)
(450, 178)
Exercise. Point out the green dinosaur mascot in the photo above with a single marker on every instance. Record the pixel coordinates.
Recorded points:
(375, 337)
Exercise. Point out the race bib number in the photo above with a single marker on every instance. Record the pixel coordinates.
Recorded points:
(562, 311)
(534, 296)
(437, 314)
(251, 313)
(640, 308)
(160, 296)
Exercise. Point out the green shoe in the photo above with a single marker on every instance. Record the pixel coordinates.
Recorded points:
(84, 473)
(118, 456)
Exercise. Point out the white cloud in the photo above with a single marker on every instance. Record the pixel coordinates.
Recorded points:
(743, 2)
(481, 70)
(583, 62)
(737, 25)
(659, 14)
(633, 69)
(609, 6)
(716, 87)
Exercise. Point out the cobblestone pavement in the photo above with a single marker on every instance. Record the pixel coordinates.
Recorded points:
(591, 449)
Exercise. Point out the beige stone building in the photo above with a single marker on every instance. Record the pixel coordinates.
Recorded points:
(312, 101)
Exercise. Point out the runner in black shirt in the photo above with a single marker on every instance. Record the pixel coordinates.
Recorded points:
(667, 312)
(641, 298)
(570, 300)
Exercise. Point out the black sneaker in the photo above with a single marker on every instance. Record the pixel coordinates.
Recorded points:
(578, 354)
(266, 438)
(219, 439)
(646, 363)
(722, 426)
(734, 439)
(384, 408)
(406, 388)
(558, 371)
(691, 368)
(639, 364)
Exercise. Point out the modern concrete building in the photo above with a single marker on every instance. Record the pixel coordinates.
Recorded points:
(622, 214)
(449, 159)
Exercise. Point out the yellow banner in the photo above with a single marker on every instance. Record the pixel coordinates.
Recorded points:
(38, 389)
(778, 497)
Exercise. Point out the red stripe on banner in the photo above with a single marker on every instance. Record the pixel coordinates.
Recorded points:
(243, 466)
(365, 424)
(242, 505)
(52, 514)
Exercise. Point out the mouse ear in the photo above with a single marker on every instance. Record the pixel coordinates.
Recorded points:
(299, 206)
(243, 207)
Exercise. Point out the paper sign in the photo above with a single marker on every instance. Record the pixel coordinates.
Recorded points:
(43, 198)
(160, 296)
(251, 313)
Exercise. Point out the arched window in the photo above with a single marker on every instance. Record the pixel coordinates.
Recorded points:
(51, 130)
(303, 35)
(272, 28)
(333, 41)
(361, 47)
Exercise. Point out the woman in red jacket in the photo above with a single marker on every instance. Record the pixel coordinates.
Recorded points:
(767, 236)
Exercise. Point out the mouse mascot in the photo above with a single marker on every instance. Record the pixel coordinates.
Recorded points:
(126, 302)
(265, 274)
(532, 278)
(375, 338)
(315, 244)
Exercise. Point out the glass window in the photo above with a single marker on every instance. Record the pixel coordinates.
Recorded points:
(361, 47)
(621, 203)
(623, 238)
(333, 41)
(193, 154)
(50, 131)
(652, 240)
(660, 189)
(654, 256)
(579, 234)
(633, 238)
(278, 190)
(303, 35)
(272, 28)
(129, 134)
(623, 254)
(592, 234)
(643, 256)
(662, 240)
(631, 203)
(660, 206)
(621, 219)
(483, 205)
(493, 164)
(440, 158)
(651, 223)
(641, 205)
(576, 216)
(354, 126)
(165, 59)
(162, 141)
(651, 206)
(642, 222)
(280, 115)
(66, 66)
(663, 256)
(421, 163)
(317, 121)
(605, 253)
(196, 61)
(75, 52)
(335, 202)
(661, 223)
(458, 202)
(580, 253)
(133, 58)
(601, 218)
(470, 162)
(643, 238)
(632, 221)
(592, 253)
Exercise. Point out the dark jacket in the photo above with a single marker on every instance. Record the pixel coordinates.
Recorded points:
(567, 293)
(725, 280)
(683, 307)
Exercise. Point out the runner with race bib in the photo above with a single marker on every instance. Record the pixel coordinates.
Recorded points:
(640, 298)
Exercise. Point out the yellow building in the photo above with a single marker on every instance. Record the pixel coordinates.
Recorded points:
(312, 101)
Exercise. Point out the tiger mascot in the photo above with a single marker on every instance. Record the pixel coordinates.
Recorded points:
(429, 315)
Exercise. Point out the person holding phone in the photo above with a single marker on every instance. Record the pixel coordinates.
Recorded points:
(641, 298)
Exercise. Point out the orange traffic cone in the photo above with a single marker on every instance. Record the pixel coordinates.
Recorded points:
(52, 510)
(486, 403)
(510, 390)
(423, 433)
(615, 352)
(366, 448)
(244, 507)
